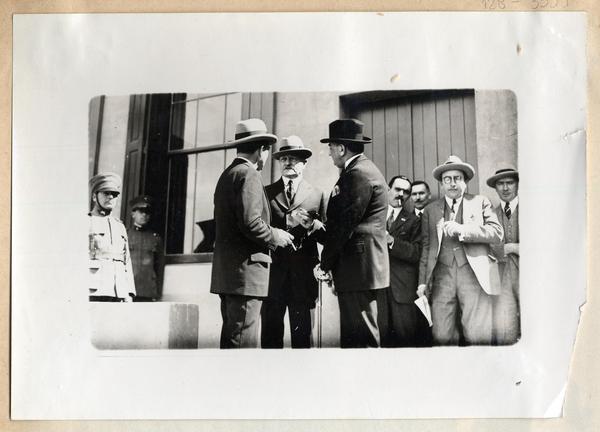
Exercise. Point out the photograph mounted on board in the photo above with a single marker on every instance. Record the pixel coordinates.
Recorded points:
(363, 219)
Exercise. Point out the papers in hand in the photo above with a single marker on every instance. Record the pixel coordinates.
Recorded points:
(423, 306)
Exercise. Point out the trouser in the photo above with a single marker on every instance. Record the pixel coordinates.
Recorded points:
(363, 318)
(408, 326)
(272, 326)
(507, 328)
(458, 300)
(240, 321)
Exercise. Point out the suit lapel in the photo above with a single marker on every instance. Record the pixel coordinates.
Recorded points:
(439, 218)
(280, 195)
(302, 193)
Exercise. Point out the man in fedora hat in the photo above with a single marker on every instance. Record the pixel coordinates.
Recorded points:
(244, 238)
(111, 273)
(355, 248)
(456, 269)
(146, 248)
(291, 282)
(507, 328)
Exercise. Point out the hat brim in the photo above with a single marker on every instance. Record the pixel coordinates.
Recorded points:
(491, 182)
(464, 167)
(259, 137)
(301, 153)
(365, 140)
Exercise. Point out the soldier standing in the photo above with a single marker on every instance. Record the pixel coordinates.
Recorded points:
(146, 248)
(111, 274)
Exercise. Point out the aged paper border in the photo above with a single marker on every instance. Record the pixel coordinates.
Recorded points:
(583, 392)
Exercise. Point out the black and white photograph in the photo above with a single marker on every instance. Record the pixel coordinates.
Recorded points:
(237, 220)
(296, 215)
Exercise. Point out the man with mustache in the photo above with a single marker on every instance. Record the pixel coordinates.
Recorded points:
(291, 282)
(420, 195)
(507, 328)
(408, 327)
(456, 269)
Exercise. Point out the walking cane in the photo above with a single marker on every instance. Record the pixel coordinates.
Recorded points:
(319, 314)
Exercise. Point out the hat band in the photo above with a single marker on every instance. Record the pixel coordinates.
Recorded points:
(247, 134)
(357, 136)
(506, 170)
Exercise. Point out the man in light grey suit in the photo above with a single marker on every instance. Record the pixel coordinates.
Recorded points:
(456, 270)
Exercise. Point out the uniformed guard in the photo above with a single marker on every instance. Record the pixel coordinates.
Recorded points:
(146, 249)
(111, 274)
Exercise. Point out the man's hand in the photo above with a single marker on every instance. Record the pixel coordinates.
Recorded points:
(390, 239)
(128, 299)
(452, 229)
(421, 290)
(511, 248)
(282, 238)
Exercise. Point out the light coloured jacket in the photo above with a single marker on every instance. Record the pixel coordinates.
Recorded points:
(111, 273)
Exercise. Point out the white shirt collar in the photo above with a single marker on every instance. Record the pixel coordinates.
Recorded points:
(418, 212)
(449, 201)
(394, 210)
(513, 204)
(350, 160)
(295, 182)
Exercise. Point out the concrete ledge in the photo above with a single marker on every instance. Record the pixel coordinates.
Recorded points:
(159, 325)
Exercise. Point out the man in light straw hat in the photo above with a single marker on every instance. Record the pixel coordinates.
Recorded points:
(292, 285)
(244, 238)
(456, 270)
(111, 272)
(507, 328)
(355, 249)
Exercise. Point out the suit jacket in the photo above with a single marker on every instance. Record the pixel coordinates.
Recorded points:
(482, 229)
(355, 247)
(301, 285)
(404, 256)
(508, 264)
(147, 258)
(243, 237)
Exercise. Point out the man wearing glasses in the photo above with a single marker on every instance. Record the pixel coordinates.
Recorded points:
(457, 271)
(292, 285)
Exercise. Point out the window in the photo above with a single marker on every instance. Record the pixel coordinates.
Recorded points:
(200, 125)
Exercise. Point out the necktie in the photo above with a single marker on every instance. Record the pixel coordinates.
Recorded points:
(390, 220)
(507, 211)
(418, 213)
(453, 209)
(289, 193)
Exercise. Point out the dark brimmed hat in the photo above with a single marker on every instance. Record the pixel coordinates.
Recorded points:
(294, 146)
(105, 182)
(142, 201)
(507, 171)
(251, 130)
(346, 131)
(453, 163)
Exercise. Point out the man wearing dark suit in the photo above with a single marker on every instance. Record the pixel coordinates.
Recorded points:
(292, 285)
(420, 196)
(244, 238)
(507, 326)
(408, 326)
(355, 247)
(456, 268)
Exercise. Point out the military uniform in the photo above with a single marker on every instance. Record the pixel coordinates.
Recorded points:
(146, 248)
(111, 273)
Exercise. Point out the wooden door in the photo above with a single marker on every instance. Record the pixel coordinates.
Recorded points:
(415, 132)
